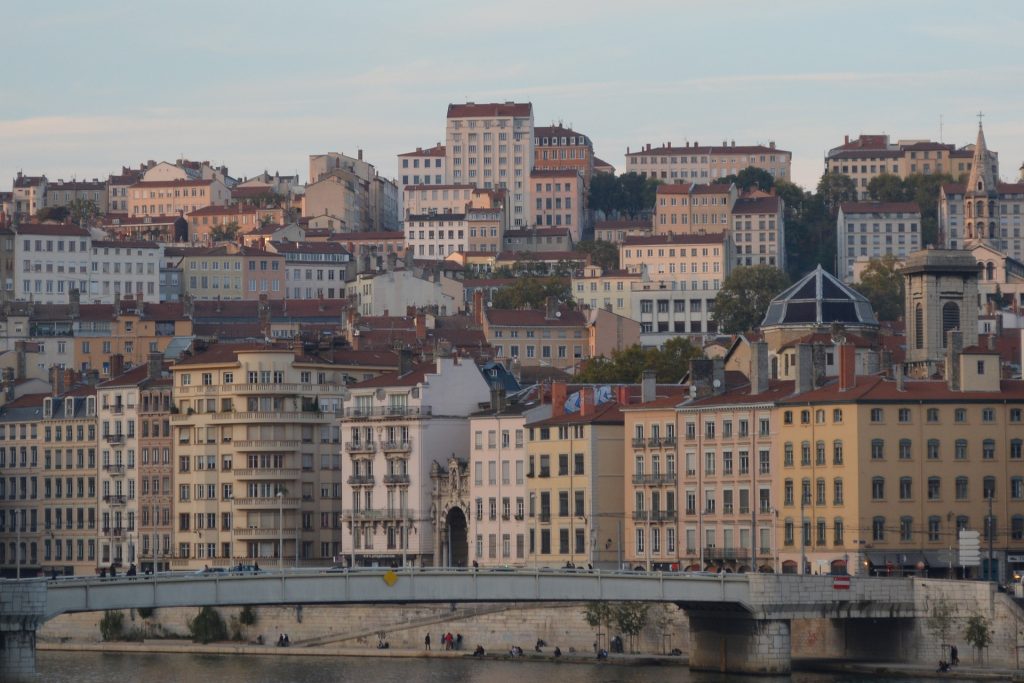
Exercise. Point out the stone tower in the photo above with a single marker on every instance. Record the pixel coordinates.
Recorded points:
(941, 295)
(981, 197)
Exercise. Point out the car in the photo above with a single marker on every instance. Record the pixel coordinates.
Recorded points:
(210, 570)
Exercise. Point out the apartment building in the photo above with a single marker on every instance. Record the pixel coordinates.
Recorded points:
(758, 230)
(492, 146)
(399, 427)
(51, 260)
(497, 464)
(611, 290)
(420, 167)
(689, 208)
(49, 501)
(155, 466)
(203, 221)
(372, 250)
(559, 199)
(122, 268)
(118, 185)
(538, 239)
(616, 231)
(555, 337)
(424, 199)
(433, 236)
(574, 483)
(696, 163)
(170, 197)
(132, 329)
(314, 270)
(62, 193)
(352, 190)
(872, 230)
(558, 148)
(871, 155)
(233, 272)
(28, 196)
(257, 462)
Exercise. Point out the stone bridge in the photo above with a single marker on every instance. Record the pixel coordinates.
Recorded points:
(738, 622)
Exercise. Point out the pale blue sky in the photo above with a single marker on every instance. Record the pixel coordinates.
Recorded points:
(91, 86)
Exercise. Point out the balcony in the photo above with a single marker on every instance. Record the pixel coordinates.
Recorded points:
(396, 478)
(115, 500)
(361, 480)
(668, 441)
(256, 533)
(385, 515)
(114, 470)
(286, 388)
(267, 503)
(518, 516)
(116, 409)
(639, 515)
(264, 473)
(654, 442)
(255, 417)
(639, 442)
(713, 553)
(361, 446)
(545, 517)
(114, 438)
(267, 444)
(397, 446)
(664, 515)
(115, 532)
(388, 411)
(654, 479)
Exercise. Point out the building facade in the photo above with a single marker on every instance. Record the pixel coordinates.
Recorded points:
(872, 230)
(694, 163)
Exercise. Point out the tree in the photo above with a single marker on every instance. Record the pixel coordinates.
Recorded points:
(112, 625)
(52, 213)
(886, 187)
(627, 366)
(940, 623)
(602, 253)
(750, 178)
(630, 618)
(598, 614)
(637, 193)
(744, 297)
(835, 188)
(225, 232)
(883, 286)
(83, 212)
(604, 193)
(533, 292)
(924, 189)
(207, 626)
(978, 634)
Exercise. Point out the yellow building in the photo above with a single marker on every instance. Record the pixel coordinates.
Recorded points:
(610, 290)
(132, 328)
(575, 484)
(257, 457)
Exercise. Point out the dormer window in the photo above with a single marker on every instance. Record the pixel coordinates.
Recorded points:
(69, 407)
(47, 407)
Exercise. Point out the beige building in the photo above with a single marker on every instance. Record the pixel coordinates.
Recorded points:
(559, 199)
(689, 208)
(28, 196)
(610, 290)
(871, 155)
(420, 167)
(694, 163)
(872, 230)
(233, 272)
(257, 457)
(491, 146)
(62, 193)
(759, 233)
(557, 148)
(168, 197)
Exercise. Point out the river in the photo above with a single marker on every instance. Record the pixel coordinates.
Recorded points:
(104, 667)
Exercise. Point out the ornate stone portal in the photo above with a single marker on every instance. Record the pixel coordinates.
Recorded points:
(450, 510)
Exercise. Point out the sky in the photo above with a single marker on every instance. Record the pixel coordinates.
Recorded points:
(262, 85)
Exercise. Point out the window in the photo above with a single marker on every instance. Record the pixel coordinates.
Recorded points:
(906, 528)
(934, 488)
(932, 415)
(819, 453)
(837, 531)
(878, 488)
(988, 487)
(961, 488)
(877, 415)
(905, 449)
(1015, 449)
(877, 449)
(837, 452)
(878, 529)
(787, 457)
(960, 452)
(988, 449)
(988, 415)
(906, 488)
(933, 449)
(960, 415)
(837, 491)
(904, 415)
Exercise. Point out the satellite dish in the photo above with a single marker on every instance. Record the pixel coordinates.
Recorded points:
(558, 314)
(716, 383)
(693, 391)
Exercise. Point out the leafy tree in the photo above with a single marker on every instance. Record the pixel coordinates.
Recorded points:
(83, 212)
(883, 286)
(207, 626)
(978, 634)
(630, 618)
(602, 253)
(247, 616)
(750, 178)
(835, 188)
(744, 297)
(112, 625)
(887, 188)
(627, 366)
(637, 193)
(598, 614)
(924, 189)
(533, 292)
(940, 623)
(605, 193)
(52, 213)
(225, 232)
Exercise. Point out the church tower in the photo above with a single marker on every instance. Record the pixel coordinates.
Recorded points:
(941, 296)
(981, 197)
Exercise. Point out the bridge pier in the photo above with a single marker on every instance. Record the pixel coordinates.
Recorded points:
(22, 606)
(734, 643)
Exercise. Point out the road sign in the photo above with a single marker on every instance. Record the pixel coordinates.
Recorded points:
(841, 583)
(970, 548)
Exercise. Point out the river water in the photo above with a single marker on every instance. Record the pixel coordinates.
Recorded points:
(113, 667)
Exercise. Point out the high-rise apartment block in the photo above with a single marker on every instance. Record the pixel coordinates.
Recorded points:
(694, 163)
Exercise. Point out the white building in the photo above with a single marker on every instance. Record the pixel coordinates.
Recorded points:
(491, 146)
(421, 167)
(314, 270)
(120, 267)
(395, 291)
(395, 428)
(870, 230)
(50, 261)
(433, 236)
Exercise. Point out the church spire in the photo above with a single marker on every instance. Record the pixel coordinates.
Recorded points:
(981, 180)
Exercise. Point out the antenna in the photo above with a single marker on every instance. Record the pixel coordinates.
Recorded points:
(940, 128)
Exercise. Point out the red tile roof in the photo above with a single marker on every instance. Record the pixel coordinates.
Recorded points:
(171, 183)
(230, 210)
(555, 173)
(875, 388)
(744, 205)
(124, 244)
(489, 110)
(693, 188)
(671, 238)
(228, 353)
(606, 413)
(52, 229)
(708, 149)
(880, 207)
(501, 317)
(437, 150)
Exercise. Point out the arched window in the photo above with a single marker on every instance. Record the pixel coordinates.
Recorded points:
(950, 319)
(906, 449)
(961, 488)
(988, 487)
(906, 488)
(988, 449)
(918, 327)
(934, 488)
(970, 210)
(961, 449)
(992, 233)
(837, 452)
(990, 270)
(933, 449)
(878, 488)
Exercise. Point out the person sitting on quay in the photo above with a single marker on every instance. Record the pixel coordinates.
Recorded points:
(479, 651)
(558, 652)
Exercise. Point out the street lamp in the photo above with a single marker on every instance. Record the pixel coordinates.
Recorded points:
(280, 530)
(17, 542)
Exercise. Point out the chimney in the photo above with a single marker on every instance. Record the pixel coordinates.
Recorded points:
(718, 376)
(478, 307)
(847, 366)
(846, 139)
(954, 347)
(587, 401)
(804, 369)
(56, 380)
(648, 386)
(404, 362)
(69, 378)
(550, 308)
(558, 396)
(759, 368)
(622, 394)
(116, 365)
(21, 362)
(897, 373)
(421, 326)
(155, 365)
(497, 397)
(701, 373)
(359, 154)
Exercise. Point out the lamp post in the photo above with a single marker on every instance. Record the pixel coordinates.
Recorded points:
(280, 530)
(988, 529)
(803, 535)
(18, 517)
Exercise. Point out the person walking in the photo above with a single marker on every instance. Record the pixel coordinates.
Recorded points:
(426, 642)
(954, 655)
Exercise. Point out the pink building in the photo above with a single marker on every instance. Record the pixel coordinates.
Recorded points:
(558, 199)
